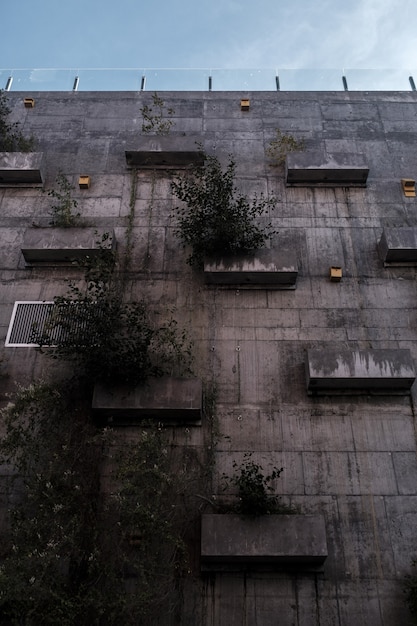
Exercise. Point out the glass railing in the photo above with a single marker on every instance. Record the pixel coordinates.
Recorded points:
(141, 79)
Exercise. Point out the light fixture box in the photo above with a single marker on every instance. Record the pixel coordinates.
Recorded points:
(409, 187)
(84, 182)
(244, 105)
(29, 103)
(335, 274)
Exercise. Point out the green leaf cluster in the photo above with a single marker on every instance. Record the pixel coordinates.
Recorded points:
(255, 490)
(81, 552)
(217, 219)
(110, 339)
(281, 145)
(154, 117)
(11, 137)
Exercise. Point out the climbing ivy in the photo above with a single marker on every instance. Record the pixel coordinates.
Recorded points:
(62, 209)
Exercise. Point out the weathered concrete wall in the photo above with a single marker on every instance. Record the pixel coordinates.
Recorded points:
(351, 458)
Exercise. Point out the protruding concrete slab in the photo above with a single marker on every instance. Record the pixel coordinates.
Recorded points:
(263, 268)
(165, 152)
(233, 542)
(165, 398)
(62, 246)
(21, 169)
(379, 371)
(326, 170)
(398, 246)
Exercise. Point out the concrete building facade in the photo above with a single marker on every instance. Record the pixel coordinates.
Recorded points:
(315, 375)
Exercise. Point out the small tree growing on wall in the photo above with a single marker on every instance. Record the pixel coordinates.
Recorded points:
(11, 137)
(217, 219)
(76, 554)
(155, 118)
(108, 338)
(255, 490)
(281, 145)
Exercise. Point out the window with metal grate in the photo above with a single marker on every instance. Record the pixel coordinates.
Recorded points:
(28, 323)
(35, 323)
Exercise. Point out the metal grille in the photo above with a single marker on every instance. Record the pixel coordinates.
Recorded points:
(28, 322)
(36, 323)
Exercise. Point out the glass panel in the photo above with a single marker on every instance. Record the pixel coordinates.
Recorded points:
(203, 79)
(176, 80)
(4, 76)
(42, 80)
(243, 80)
(310, 80)
(378, 80)
(109, 80)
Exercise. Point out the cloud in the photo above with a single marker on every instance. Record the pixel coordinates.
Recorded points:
(324, 34)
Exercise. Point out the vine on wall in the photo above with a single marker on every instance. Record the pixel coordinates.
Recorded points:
(12, 138)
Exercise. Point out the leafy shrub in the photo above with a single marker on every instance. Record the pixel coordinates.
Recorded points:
(254, 488)
(76, 555)
(217, 219)
(11, 137)
(107, 338)
(282, 145)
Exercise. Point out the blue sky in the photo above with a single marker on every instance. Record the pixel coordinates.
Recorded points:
(217, 34)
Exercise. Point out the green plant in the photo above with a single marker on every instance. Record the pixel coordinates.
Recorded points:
(62, 210)
(410, 590)
(255, 490)
(153, 117)
(11, 137)
(107, 338)
(217, 219)
(281, 145)
(50, 558)
(78, 554)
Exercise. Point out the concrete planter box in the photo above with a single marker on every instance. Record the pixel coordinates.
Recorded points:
(398, 246)
(61, 246)
(174, 399)
(366, 371)
(235, 542)
(304, 169)
(21, 169)
(263, 268)
(165, 153)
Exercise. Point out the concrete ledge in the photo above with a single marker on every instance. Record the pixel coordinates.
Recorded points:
(234, 542)
(165, 153)
(378, 371)
(398, 246)
(62, 246)
(21, 169)
(336, 170)
(166, 398)
(263, 268)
